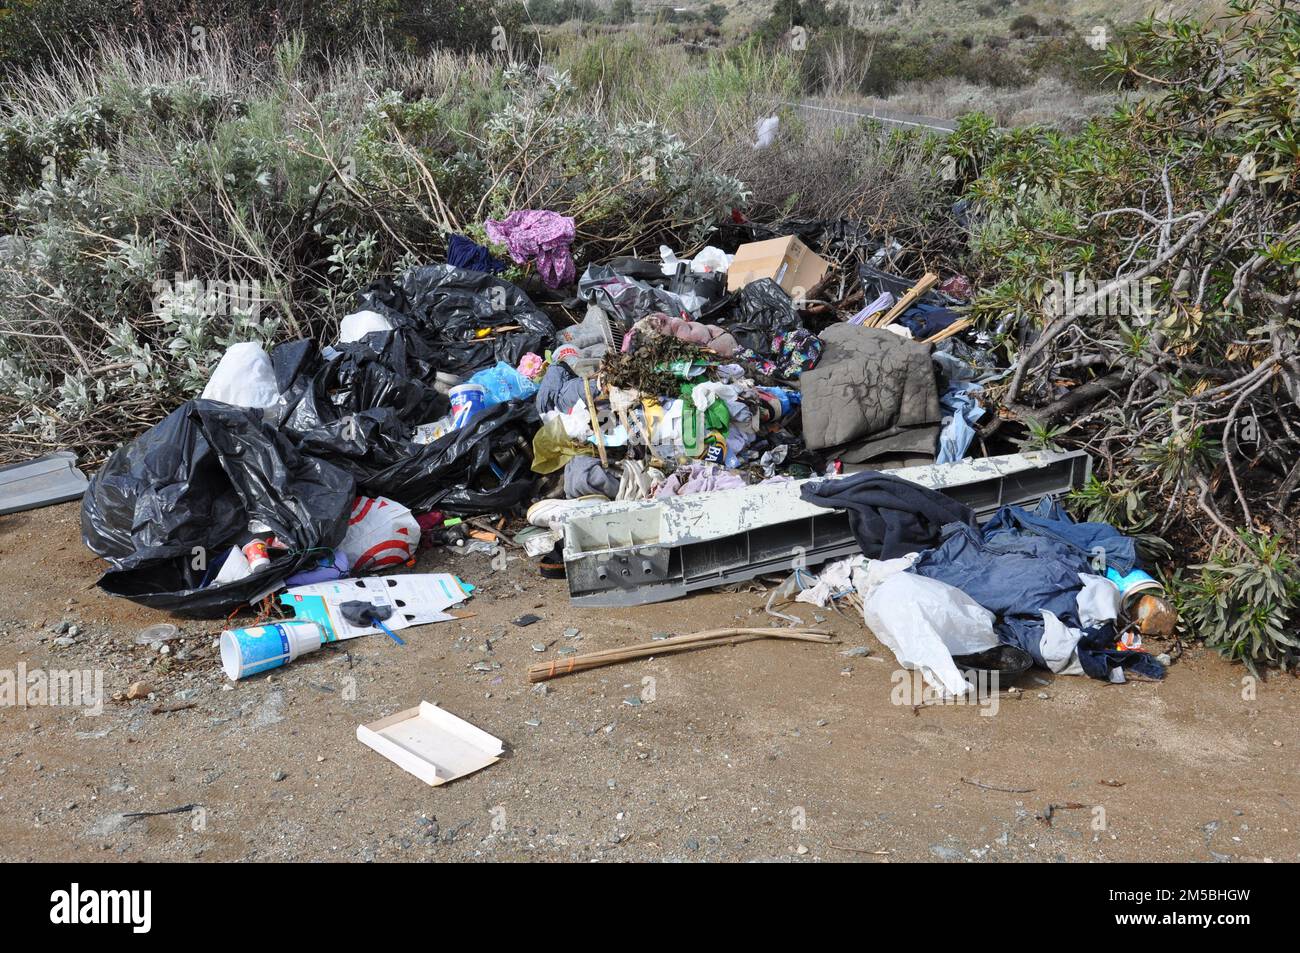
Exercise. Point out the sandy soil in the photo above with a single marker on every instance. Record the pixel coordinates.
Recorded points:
(762, 751)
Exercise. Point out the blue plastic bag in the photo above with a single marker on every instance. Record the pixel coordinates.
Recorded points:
(502, 383)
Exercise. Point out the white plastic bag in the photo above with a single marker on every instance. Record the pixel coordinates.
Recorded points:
(709, 259)
(925, 623)
(765, 131)
(244, 378)
(381, 532)
(356, 326)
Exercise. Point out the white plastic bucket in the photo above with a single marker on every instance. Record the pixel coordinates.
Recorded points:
(260, 648)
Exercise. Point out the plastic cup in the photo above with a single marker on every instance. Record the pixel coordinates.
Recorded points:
(466, 401)
(260, 648)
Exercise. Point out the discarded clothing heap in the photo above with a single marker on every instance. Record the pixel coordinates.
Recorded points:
(1030, 569)
(1038, 574)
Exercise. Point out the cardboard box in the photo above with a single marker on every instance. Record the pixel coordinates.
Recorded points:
(787, 261)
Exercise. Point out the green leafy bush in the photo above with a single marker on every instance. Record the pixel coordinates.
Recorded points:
(1244, 601)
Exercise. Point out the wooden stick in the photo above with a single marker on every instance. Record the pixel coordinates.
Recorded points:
(579, 663)
(928, 281)
(955, 328)
(567, 666)
(595, 423)
(818, 635)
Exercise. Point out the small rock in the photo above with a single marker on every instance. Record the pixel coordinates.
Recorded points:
(801, 850)
(65, 641)
(138, 690)
(946, 853)
(570, 633)
(527, 620)
(278, 776)
(692, 844)
(858, 651)
(538, 647)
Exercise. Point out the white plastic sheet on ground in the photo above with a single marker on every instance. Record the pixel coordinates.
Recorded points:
(243, 378)
(924, 622)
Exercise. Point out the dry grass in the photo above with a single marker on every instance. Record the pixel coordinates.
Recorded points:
(1046, 100)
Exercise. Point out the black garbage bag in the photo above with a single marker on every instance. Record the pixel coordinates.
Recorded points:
(450, 307)
(876, 282)
(629, 289)
(484, 467)
(387, 371)
(168, 506)
(761, 310)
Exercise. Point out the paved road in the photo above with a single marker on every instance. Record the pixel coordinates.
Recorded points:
(836, 112)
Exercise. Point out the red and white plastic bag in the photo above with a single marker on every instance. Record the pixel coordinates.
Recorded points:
(381, 533)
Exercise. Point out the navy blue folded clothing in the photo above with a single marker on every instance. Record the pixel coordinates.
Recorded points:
(890, 517)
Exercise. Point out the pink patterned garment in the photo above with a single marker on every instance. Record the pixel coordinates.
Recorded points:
(538, 235)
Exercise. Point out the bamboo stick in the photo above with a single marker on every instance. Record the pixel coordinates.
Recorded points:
(595, 422)
(580, 663)
(928, 281)
(955, 328)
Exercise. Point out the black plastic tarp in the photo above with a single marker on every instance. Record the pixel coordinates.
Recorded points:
(166, 508)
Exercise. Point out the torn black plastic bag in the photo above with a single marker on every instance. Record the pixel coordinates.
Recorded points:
(876, 282)
(391, 370)
(169, 504)
(484, 467)
(451, 306)
(630, 289)
(762, 310)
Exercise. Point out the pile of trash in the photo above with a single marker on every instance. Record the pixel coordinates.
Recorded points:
(449, 394)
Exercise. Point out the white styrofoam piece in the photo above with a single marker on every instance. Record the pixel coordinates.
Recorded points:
(431, 743)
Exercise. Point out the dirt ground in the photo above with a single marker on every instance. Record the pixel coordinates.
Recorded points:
(762, 751)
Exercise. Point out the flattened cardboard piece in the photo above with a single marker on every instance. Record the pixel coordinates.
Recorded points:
(416, 599)
(787, 261)
(431, 743)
